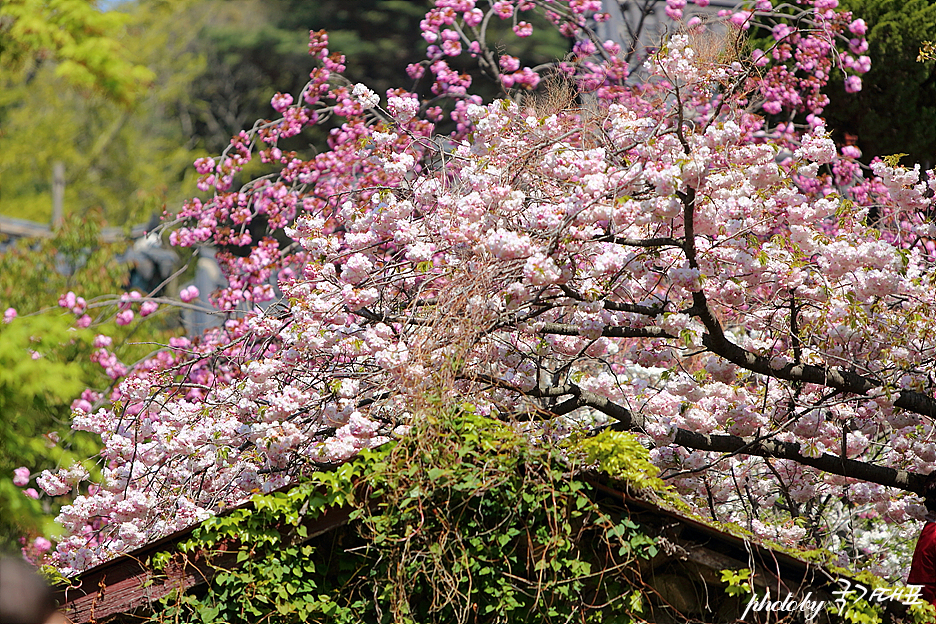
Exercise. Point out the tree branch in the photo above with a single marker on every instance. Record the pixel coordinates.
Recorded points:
(736, 445)
(831, 376)
(616, 306)
(731, 444)
(640, 242)
(833, 464)
(567, 329)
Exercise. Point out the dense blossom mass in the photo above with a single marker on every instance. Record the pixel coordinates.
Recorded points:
(678, 249)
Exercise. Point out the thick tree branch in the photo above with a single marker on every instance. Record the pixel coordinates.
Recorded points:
(833, 464)
(731, 444)
(373, 317)
(736, 445)
(616, 306)
(536, 393)
(832, 376)
(566, 329)
(649, 243)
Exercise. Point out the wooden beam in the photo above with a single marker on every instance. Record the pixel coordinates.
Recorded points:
(125, 584)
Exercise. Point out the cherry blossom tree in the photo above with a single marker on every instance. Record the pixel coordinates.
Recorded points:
(674, 248)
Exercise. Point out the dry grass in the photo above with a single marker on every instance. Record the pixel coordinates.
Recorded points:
(716, 42)
(557, 94)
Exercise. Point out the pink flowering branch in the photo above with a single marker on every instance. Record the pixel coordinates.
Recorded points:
(624, 420)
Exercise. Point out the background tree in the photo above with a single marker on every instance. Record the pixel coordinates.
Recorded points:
(894, 113)
(48, 362)
(39, 380)
(81, 39)
(121, 156)
(249, 61)
(210, 68)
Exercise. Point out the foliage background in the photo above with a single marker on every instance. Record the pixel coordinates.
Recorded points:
(895, 112)
(45, 360)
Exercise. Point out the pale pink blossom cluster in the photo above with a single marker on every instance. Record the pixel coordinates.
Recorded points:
(677, 61)
(365, 96)
(402, 108)
(21, 476)
(817, 147)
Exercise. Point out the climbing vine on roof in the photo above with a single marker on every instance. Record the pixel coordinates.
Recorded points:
(464, 521)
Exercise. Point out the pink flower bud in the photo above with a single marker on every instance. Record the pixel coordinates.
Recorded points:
(125, 317)
(850, 151)
(42, 545)
(473, 17)
(853, 84)
(858, 27)
(281, 101)
(523, 29)
(21, 476)
(204, 165)
(503, 9)
(188, 294)
(509, 63)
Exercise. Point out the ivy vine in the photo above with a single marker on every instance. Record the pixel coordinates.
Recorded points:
(466, 520)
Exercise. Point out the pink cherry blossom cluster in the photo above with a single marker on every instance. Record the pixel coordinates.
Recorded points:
(76, 305)
(807, 58)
